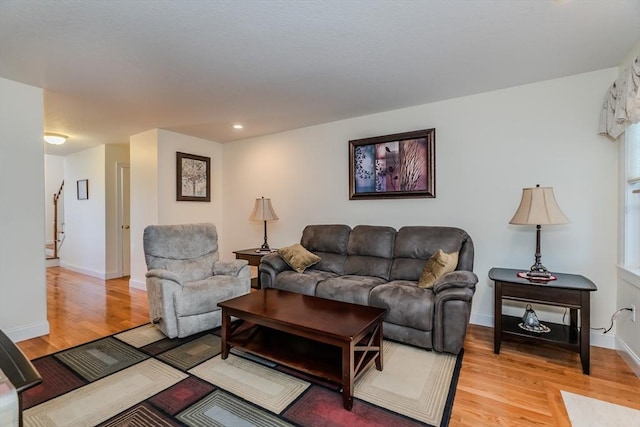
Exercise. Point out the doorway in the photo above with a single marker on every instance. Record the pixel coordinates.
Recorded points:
(124, 228)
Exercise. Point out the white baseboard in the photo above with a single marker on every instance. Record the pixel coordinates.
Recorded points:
(53, 262)
(137, 285)
(111, 275)
(77, 269)
(632, 359)
(481, 319)
(596, 339)
(26, 332)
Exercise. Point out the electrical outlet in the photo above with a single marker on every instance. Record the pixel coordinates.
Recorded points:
(633, 313)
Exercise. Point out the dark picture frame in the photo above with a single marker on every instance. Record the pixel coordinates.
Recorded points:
(193, 178)
(397, 166)
(82, 189)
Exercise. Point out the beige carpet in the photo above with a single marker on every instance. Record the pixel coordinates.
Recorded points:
(104, 398)
(139, 337)
(263, 386)
(414, 382)
(588, 412)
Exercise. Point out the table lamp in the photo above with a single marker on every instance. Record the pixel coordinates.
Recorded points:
(538, 207)
(263, 211)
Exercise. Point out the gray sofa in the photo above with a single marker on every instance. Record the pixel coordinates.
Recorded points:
(379, 266)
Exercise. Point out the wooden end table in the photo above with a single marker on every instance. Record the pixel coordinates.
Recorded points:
(569, 290)
(254, 256)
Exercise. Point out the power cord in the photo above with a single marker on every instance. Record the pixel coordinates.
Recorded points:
(613, 317)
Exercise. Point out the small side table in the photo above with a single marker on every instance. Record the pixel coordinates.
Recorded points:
(569, 290)
(254, 256)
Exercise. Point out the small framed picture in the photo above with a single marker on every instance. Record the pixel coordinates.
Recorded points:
(193, 178)
(83, 189)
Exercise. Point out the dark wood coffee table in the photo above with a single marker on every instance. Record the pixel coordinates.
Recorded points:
(329, 339)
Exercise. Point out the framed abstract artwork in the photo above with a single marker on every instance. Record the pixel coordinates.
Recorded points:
(397, 166)
(193, 178)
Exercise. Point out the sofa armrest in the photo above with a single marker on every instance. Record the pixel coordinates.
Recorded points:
(452, 309)
(164, 275)
(270, 266)
(456, 279)
(229, 268)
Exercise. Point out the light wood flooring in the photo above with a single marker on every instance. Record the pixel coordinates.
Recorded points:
(519, 387)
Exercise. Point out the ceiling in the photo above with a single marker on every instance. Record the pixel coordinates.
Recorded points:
(112, 69)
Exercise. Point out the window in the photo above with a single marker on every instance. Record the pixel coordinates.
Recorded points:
(632, 198)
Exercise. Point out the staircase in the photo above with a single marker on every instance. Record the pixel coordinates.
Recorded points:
(52, 249)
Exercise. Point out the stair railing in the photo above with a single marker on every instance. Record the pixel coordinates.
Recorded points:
(57, 241)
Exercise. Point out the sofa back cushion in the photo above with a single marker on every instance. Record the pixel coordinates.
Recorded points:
(370, 251)
(416, 244)
(329, 242)
(189, 250)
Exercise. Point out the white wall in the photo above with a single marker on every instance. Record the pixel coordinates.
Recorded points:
(488, 147)
(23, 297)
(84, 245)
(114, 154)
(153, 188)
(53, 177)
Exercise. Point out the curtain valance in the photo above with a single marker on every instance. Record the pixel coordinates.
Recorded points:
(621, 106)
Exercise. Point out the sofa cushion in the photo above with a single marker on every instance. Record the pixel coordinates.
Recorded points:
(329, 242)
(438, 265)
(326, 238)
(370, 250)
(302, 283)
(297, 257)
(353, 289)
(416, 244)
(406, 304)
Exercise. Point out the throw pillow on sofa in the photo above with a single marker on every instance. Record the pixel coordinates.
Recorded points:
(438, 265)
(297, 257)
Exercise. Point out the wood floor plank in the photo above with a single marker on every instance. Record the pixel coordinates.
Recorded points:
(519, 387)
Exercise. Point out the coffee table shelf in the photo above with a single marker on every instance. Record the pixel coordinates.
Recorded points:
(302, 354)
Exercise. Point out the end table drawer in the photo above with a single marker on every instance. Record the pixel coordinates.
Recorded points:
(564, 297)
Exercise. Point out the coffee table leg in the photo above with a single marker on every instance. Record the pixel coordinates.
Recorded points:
(226, 325)
(378, 342)
(347, 375)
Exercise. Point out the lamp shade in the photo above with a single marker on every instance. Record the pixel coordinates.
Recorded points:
(263, 211)
(538, 207)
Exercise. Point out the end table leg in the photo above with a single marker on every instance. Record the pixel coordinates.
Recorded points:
(226, 325)
(497, 317)
(585, 328)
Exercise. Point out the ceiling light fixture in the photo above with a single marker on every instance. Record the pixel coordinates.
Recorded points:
(55, 138)
(238, 126)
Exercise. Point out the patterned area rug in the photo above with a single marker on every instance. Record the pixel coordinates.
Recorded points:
(141, 378)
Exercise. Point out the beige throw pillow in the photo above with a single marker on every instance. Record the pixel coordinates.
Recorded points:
(438, 265)
(298, 257)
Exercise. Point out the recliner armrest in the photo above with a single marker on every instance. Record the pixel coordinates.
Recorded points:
(229, 268)
(164, 275)
(456, 279)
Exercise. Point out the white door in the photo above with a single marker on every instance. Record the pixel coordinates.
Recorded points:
(124, 219)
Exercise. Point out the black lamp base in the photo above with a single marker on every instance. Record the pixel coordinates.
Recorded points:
(537, 269)
(539, 272)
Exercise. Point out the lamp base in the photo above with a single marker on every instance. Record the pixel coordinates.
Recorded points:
(539, 274)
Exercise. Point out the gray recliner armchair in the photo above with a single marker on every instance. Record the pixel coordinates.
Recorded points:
(186, 280)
